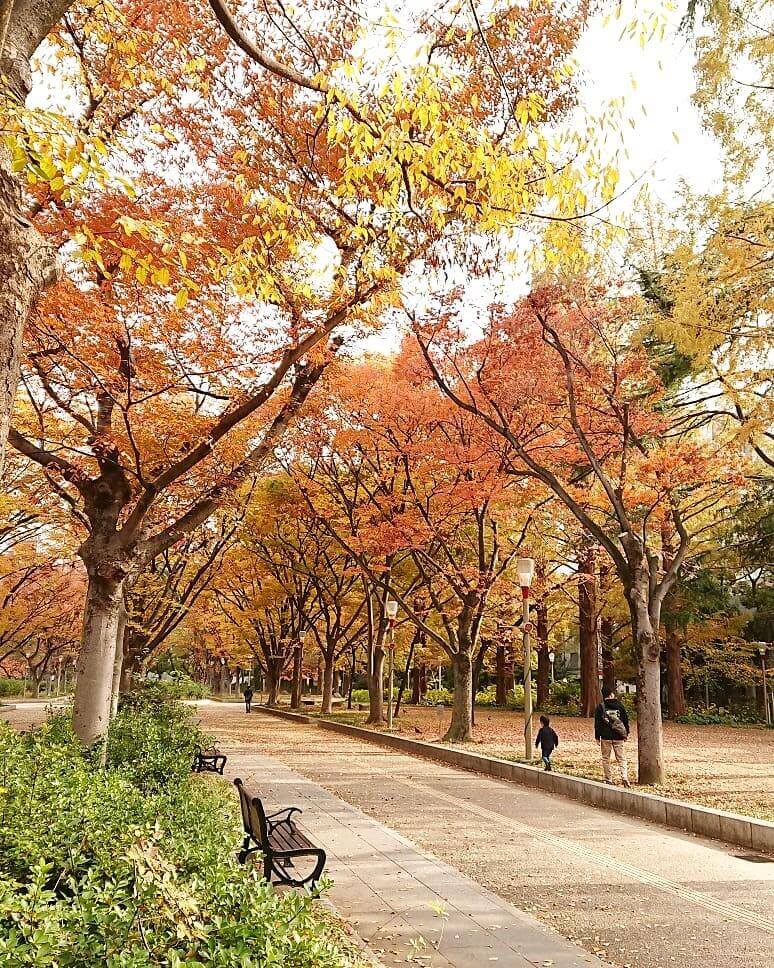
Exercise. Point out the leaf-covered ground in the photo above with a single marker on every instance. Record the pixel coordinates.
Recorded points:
(728, 768)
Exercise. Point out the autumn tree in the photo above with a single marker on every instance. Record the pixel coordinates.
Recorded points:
(588, 404)
(417, 505)
(40, 609)
(161, 597)
(322, 583)
(310, 197)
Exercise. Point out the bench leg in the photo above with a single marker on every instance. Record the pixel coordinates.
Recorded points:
(270, 864)
(246, 850)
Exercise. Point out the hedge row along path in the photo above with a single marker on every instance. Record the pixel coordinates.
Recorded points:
(630, 892)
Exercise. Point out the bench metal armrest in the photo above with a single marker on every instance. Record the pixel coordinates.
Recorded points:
(288, 811)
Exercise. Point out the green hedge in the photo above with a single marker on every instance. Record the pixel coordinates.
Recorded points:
(134, 865)
(746, 716)
(11, 687)
(177, 686)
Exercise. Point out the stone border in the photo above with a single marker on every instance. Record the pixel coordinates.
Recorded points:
(731, 828)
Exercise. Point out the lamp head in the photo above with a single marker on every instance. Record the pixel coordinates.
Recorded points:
(525, 569)
(391, 609)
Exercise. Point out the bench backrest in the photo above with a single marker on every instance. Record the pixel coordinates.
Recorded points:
(253, 814)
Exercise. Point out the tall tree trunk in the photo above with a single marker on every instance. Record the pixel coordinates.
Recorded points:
(272, 682)
(608, 661)
(423, 682)
(376, 689)
(224, 680)
(326, 705)
(646, 646)
(672, 637)
(543, 662)
(501, 683)
(295, 691)
(405, 677)
(460, 730)
(674, 669)
(478, 666)
(94, 681)
(415, 684)
(587, 627)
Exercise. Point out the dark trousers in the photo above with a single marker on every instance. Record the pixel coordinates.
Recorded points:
(248, 704)
(547, 761)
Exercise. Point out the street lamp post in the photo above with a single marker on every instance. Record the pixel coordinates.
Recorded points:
(391, 611)
(552, 659)
(762, 650)
(525, 569)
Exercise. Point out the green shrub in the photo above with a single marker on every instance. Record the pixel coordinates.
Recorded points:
(11, 687)
(177, 686)
(153, 741)
(439, 697)
(565, 692)
(746, 716)
(487, 697)
(112, 867)
(515, 697)
(360, 696)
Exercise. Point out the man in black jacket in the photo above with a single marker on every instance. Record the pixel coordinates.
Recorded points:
(611, 730)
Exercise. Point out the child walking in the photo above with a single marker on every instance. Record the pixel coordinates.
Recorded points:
(547, 740)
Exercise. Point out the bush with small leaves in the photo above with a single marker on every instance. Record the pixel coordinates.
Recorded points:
(117, 867)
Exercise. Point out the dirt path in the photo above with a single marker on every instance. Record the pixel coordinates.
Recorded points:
(718, 766)
(634, 893)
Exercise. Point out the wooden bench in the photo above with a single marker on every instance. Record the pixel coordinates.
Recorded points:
(209, 761)
(278, 840)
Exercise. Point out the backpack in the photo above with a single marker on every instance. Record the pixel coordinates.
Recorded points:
(613, 719)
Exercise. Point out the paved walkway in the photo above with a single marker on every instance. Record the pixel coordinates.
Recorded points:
(632, 892)
(405, 904)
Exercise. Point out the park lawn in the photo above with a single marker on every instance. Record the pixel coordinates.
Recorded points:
(729, 768)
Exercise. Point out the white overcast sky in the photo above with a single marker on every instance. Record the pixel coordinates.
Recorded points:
(663, 73)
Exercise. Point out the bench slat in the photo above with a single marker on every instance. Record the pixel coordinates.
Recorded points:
(283, 838)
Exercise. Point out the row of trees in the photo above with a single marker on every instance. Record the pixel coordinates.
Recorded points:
(232, 217)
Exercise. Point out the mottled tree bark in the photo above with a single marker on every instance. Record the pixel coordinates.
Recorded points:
(376, 688)
(94, 683)
(645, 623)
(326, 705)
(460, 727)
